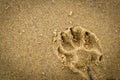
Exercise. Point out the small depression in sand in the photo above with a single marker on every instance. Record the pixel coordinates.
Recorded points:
(78, 49)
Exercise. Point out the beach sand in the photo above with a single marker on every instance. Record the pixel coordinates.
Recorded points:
(28, 27)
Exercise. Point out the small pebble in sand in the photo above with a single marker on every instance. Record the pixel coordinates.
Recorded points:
(43, 73)
(55, 32)
(70, 13)
(70, 22)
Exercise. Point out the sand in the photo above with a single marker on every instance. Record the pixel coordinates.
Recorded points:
(28, 27)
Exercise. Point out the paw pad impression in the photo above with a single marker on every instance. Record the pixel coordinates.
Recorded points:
(78, 48)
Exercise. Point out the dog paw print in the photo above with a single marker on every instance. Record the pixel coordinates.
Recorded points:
(78, 48)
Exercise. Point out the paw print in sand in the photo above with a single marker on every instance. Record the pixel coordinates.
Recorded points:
(78, 48)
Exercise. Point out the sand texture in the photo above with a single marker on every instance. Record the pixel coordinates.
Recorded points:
(59, 39)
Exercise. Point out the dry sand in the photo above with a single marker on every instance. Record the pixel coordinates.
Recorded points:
(27, 28)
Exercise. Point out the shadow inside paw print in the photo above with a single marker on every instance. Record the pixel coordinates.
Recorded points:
(90, 41)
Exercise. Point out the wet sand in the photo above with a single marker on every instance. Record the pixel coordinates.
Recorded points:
(27, 30)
